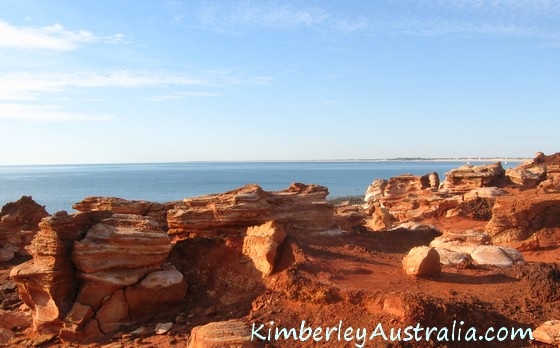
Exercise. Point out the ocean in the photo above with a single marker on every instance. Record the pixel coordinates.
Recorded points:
(59, 186)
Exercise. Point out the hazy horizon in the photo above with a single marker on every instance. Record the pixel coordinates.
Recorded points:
(179, 81)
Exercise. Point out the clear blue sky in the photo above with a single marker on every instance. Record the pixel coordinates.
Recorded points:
(154, 81)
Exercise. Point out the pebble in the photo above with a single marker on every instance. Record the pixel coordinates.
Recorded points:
(163, 328)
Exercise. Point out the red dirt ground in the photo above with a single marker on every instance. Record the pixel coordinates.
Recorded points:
(356, 278)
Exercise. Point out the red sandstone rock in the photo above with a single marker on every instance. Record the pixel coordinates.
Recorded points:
(469, 177)
(123, 206)
(47, 283)
(19, 221)
(299, 209)
(121, 277)
(542, 171)
(122, 241)
(465, 242)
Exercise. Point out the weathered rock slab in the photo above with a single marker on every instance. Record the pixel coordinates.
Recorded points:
(223, 334)
(548, 333)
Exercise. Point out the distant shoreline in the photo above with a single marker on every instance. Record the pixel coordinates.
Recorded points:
(386, 160)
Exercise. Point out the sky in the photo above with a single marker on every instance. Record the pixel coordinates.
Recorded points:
(163, 81)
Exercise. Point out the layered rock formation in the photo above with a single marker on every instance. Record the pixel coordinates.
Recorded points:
(300, 208)
(468, 191)
(93, 272)
(48, 284)
(19, 221)
(401, 198)
(107, 266)
(117, 205)
(469, 177)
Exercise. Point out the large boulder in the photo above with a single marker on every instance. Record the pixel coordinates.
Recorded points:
(422, 261)
(472, 247)
(376, 190)
(19, 222)
(494, 255)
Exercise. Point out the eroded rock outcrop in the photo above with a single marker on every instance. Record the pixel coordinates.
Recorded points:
(19, 221)
(469, 177)
(227, 243)
(517, 217)
(541, 169)
(402, 198)
(121, 265)
(300, 208)
(349, 216)
(93, 272)
(47, 283)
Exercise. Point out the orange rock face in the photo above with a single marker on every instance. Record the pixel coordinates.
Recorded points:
(517, 217)
(261, 245)
(19, 221)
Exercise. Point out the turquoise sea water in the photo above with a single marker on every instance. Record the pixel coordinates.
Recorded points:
(59, 186)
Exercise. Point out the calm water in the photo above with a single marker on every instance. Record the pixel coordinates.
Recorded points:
(58, 187)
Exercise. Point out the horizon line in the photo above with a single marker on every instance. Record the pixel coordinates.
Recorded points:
(364, 160)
